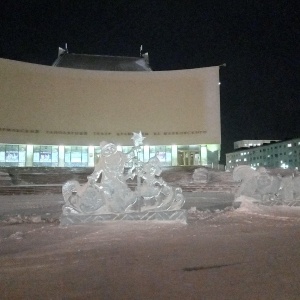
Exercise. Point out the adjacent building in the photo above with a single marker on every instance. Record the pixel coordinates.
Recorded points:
(251, 143)
(56, 116)
(281, 154)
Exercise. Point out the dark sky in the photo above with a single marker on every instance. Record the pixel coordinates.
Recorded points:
(258, 40)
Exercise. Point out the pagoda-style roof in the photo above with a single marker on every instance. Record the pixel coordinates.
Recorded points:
(101, 62)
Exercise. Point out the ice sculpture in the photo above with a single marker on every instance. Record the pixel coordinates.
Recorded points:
(201, 175)
(265, 188)
(112, 199)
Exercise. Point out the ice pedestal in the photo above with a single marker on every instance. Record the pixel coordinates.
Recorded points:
(174, 216)
(111, 199)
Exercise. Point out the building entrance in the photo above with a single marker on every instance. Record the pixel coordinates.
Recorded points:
(188, 158)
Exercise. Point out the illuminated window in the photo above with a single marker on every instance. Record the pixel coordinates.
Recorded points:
(76, 156)
(13, 155)
(169, 156)
(141, 154)
(45, 156)
(163, 153)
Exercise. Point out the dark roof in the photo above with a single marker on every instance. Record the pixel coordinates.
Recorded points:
(101, 62)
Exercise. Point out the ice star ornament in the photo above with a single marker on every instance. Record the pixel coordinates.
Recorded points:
(137, 139)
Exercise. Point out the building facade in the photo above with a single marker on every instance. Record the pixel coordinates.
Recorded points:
(282, 154)
(57, 117)
(251, 143)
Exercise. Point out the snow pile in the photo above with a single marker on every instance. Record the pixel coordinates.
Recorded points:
(17, 236)
(252, 206)
(247, 204)
(194, 214)
(18, 219)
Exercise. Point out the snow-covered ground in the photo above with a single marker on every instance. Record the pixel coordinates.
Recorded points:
(228, 254)
(251, 252)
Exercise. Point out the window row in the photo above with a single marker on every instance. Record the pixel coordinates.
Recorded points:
(72, 156)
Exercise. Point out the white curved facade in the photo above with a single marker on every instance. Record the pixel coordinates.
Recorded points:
(62, 109)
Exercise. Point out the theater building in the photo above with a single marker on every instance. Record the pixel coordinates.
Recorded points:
(56, 116)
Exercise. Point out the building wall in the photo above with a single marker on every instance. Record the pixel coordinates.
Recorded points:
(43, 105)
(285, 154)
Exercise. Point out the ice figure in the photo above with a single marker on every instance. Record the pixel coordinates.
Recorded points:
(112, 194)
(267, 189)
(201, 175)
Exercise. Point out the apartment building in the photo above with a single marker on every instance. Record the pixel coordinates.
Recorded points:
(282, 154)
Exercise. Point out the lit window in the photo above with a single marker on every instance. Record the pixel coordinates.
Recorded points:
(289, 145)
(245, 159)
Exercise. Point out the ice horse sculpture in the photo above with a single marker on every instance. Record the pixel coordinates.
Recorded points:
(112, 199)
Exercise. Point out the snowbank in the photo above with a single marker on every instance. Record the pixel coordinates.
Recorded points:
(252, 206)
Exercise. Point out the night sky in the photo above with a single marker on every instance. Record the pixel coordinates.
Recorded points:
(258, 40)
